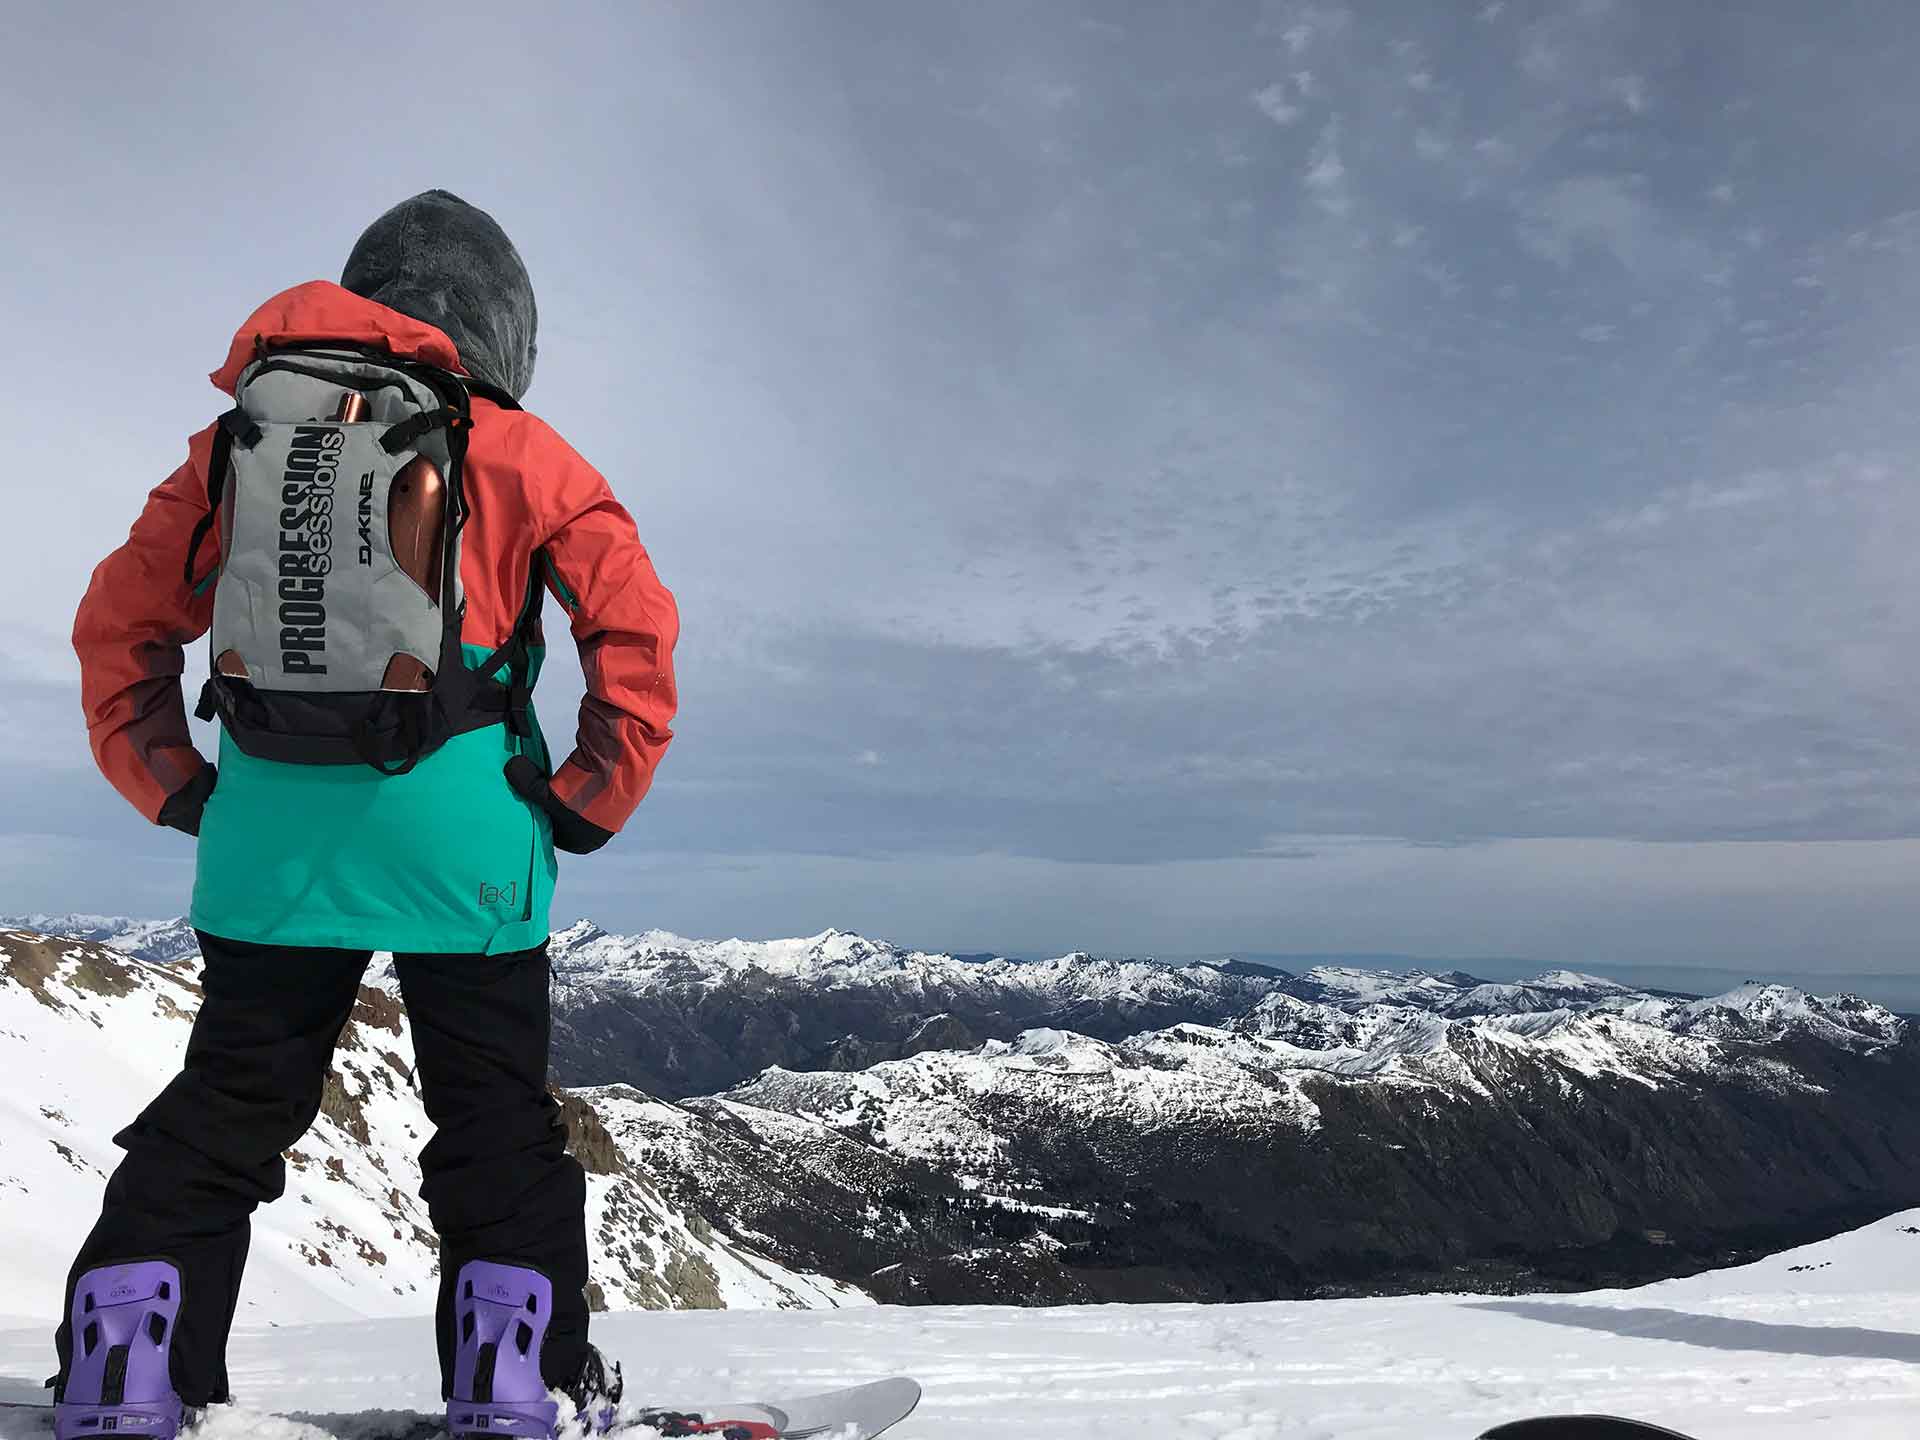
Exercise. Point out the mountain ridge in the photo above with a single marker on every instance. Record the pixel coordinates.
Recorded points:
(921, 1127)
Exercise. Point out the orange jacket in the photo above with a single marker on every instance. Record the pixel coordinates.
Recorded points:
(528, 490)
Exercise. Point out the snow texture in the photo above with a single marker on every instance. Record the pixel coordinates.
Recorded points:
(1819, 1342)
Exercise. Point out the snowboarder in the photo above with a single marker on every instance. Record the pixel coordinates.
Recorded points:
(439, 848)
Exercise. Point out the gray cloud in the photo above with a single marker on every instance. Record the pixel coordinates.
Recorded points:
(1156, 438)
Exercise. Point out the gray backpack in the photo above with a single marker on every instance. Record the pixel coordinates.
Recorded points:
(336, 484)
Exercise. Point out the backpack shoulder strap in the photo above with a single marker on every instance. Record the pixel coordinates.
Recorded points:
(516, 653)
(233, 428)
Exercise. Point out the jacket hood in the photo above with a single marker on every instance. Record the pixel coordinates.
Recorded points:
(321, 310)
(449, 264)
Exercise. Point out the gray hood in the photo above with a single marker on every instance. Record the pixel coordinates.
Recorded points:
(445, 262)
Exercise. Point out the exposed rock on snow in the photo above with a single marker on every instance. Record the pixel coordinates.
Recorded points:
(161, 941)
(1442, 1138)
(89, 1033)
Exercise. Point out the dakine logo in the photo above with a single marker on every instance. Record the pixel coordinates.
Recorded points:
(491, 895)
(366, 518)
(306, 547)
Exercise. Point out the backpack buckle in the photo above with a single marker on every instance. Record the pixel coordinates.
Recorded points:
(241, 428)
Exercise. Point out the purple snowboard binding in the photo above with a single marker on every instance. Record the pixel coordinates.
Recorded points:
(501, 1314)
(118, 1381)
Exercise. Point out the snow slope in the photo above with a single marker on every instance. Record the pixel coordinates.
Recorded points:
(89, 1033)
(1821, 1342)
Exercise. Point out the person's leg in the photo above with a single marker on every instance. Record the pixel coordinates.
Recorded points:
(498, 1181)
(207, 1151)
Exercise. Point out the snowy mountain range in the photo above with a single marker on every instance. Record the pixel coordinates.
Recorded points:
(683, 1017)
(1311, 1148)
(922, 1127)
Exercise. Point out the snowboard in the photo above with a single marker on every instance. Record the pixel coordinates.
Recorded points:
(1580, 1427)
(857, 1413)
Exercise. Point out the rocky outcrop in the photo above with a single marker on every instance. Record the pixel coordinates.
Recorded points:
(1499, 1153)
(88, 1032)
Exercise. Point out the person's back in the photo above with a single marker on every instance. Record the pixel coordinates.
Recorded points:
(305, 869)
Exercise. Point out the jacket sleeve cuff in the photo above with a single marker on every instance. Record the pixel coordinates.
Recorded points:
(166, 773)
(584, 793)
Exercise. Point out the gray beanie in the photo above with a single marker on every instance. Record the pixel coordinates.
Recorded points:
(449, 264)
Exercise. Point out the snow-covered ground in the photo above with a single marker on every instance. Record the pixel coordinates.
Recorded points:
(1820, 1342)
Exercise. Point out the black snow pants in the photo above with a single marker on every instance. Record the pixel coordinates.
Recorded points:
(498, 1184)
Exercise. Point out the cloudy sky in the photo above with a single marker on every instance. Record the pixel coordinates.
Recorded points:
(1411, 476)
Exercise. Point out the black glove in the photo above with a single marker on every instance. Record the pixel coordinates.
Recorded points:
(183, 807)
(572, 832)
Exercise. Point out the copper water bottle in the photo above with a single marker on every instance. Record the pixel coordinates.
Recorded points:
(407, 672)
(415, 504)
(416, 520)
(416, 510)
